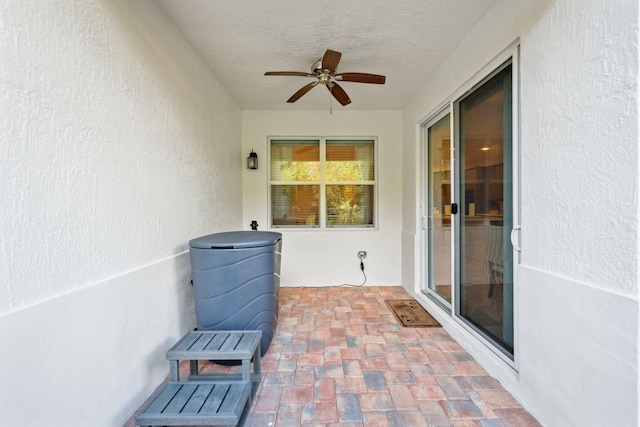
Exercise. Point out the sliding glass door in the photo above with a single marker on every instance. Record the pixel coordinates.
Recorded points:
(468, 208)
(484, 190)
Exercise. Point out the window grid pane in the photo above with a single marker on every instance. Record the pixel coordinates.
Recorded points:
(350, 161)
(350, 205)
(295, 205)
(295, 161)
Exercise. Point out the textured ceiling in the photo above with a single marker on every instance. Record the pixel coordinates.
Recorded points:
(402, 39)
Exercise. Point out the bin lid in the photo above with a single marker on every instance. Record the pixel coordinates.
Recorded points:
(236, 240)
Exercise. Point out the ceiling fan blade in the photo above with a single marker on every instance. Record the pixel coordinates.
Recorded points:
(361, 78)
(339, 94)
(330, 60)
(304, 89)
(288, 73)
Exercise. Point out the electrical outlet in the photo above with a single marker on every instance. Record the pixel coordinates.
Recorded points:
(362, 254)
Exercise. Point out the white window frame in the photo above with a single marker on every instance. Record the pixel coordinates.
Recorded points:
(322, 223)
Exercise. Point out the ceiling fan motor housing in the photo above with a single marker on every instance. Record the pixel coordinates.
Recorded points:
(316, 68)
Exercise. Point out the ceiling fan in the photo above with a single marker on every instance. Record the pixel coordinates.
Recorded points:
(324, 71)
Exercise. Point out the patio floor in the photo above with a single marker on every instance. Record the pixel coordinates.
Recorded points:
(340, 358)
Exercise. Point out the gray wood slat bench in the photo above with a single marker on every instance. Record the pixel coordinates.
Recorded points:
(217, 345)
(222, 399)
(197, 403)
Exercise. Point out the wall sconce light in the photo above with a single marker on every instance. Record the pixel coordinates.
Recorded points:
(252, 160)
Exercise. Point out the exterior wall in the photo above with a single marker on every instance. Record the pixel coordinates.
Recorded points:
(326, 258)
(117, 147)
(577, 287)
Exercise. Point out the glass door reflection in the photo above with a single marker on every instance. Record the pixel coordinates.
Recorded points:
(439, 208)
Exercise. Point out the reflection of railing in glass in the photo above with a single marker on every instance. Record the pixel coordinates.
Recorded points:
(345, 216)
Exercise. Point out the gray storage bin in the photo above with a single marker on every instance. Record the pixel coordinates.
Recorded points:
(236, 281)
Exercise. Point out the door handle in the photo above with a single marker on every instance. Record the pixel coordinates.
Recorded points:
(513, 232)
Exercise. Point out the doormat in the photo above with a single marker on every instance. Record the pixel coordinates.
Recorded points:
(411, 314)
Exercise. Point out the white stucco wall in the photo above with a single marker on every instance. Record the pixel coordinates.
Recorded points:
(326, 258)
(577, 290)
(117, 146)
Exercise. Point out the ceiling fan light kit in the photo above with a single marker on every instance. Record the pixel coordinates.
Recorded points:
(324, 71)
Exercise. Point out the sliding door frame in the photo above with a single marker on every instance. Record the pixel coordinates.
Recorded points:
(427, 217)
(450, 106)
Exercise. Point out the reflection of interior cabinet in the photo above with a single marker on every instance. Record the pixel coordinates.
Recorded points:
(442, 187)
(483, 185)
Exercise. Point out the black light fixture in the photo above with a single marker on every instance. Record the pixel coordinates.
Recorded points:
(252, 160)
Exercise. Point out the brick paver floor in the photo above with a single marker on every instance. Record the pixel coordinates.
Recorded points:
(340, 358)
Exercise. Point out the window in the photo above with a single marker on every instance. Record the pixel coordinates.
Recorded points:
(322, 183)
